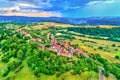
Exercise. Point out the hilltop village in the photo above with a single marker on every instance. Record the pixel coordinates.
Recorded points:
(57, 45)
(65, 49)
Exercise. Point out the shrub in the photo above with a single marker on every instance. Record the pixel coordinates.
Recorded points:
(5, 72)
(113, 45)
(100, 47)
(117, 57)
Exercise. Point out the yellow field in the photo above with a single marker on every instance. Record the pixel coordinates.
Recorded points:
(107, 26)
(93, 47)
(51, 24)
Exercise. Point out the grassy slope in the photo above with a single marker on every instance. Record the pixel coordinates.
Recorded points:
(26, 74)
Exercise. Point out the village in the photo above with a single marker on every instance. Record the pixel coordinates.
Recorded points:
(62, 48)
(56, 45)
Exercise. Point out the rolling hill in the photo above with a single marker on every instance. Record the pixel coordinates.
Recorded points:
(89, 20)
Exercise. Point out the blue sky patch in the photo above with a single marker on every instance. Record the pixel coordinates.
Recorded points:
(60, 8)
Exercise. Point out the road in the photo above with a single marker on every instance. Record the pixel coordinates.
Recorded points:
(101, 73)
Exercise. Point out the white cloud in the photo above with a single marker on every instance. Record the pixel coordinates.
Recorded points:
(27, 5)
(44, 4)
(110, 1)
(20, 9)
(13, 8)
(102, 8)
(33, 14)
(102, 2)
(38, 4)
(92, 3)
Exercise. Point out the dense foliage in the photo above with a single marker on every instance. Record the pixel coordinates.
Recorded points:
(111, 33)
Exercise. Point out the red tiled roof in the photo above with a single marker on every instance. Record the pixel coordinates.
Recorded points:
(26, 33)
(78, 51)
(63, 51)
(66, 46)
(56, 45)
(8, 27)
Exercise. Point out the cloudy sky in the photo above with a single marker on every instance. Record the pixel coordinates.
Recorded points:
(60, 8)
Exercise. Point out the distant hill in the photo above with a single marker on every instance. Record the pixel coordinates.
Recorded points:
(90, 20)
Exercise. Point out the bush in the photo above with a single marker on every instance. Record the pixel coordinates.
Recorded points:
(5, 72)
(107, 73)
(113, 45)
(100, 47)
(117, 57)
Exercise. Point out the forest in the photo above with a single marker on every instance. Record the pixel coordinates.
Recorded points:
(111, 33)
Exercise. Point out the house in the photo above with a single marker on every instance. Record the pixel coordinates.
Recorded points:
(62, 43)
(81, 52)
(71, 51)
(53, 41)
(26, 34)
(56, 46)
(36, 39)
(63, 52)
(60, 50)
(65, 49)
(66, 46)
(9, 27)
(78, 51)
